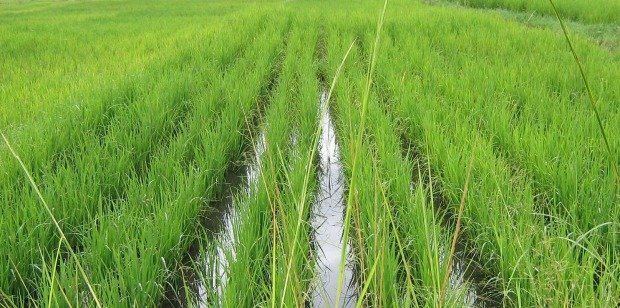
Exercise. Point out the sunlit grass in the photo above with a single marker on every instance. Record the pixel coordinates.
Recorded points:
(451, 122)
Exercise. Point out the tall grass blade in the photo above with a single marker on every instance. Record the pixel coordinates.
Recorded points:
(357, 144)
(457, 229)
(614, 165)
(54, 221)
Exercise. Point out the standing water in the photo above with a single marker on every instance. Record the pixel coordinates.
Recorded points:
(458, 280)
(467, 284)
(216, 267)
(328, 219)
(469, 281)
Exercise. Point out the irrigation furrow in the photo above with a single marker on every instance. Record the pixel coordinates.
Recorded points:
(204, 269)
(328, 218)
(272, 245)
(219, 227)
(204, 273)
(247, 257)
(375, 255)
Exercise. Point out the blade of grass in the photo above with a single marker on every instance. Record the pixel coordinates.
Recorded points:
(19, 276)
(614, 166)
(54, 221)
(302, 203)
(53, 279)
(401, 249)
(457, 228)
(358, 141)
(360, 299)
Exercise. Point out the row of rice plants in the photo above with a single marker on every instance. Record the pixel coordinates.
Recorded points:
(249, 274)
(293, 265)
(400, 248)
(132, 184)
(86, 180)
(375, 258)
(538, 262)
(57, 57)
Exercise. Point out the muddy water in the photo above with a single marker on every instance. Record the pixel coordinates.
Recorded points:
(470, 280)
(458, 283)
(243, 181)
(328, 219)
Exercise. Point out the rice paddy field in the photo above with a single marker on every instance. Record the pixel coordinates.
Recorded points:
(301, 153)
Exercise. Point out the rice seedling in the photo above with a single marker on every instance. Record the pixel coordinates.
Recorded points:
(54, 64)
(561, 248)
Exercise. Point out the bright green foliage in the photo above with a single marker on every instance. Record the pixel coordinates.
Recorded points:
(129, 115)
(58, 56)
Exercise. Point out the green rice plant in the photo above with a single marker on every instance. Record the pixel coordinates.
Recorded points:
(394, 227)
(528, 271)
(171, 195)
(614, 165)
(63, 239)
(369, 222)
(103, 169)
(295, 270)
(127, 117)
(59, 55)
(356, 145)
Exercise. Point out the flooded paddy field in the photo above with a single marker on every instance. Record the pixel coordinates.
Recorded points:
(309, 154)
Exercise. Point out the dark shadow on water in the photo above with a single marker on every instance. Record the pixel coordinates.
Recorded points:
(220, 225)
(213, 221)
(467, 271)
(469, 276)
(204, 270)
